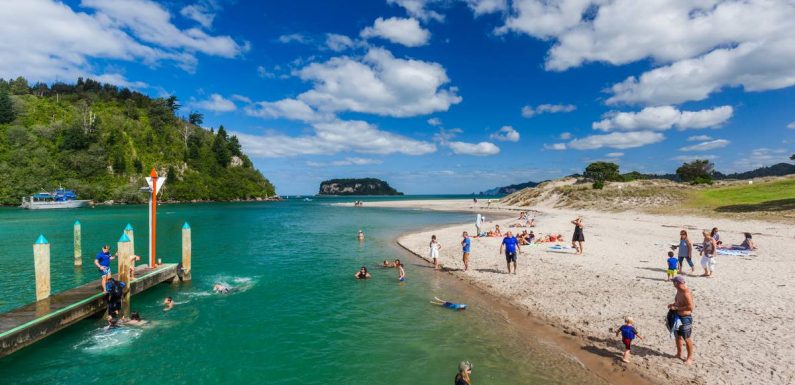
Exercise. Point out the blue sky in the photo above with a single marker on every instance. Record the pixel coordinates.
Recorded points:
(441, 96)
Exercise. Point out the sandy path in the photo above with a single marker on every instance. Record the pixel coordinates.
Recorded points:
(744, 316)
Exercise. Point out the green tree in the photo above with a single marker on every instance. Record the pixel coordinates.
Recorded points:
(7, 114)
(221, 147)
(601, 172)
(196, 118)
(234, 147)
(697, 171)
(19, 86)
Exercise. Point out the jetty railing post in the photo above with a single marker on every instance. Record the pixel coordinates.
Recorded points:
(77, 243)
(41, 266)
(128, 230)
(186, 251)
(123, 258)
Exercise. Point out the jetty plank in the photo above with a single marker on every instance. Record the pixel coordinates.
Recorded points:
(28, 324)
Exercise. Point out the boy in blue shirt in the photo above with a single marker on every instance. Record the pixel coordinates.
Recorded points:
(628, 333)
(511, 245)
(673, 266)
(102, 262)
(466, 246)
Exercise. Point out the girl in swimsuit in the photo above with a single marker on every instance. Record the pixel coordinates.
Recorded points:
(401, 272)
(362, 273)
(435, 247)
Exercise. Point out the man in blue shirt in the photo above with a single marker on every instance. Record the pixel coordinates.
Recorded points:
(511, 246)
(102, 262)
(466, 245)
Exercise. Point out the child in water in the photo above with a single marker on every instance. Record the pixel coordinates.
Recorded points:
(401, 272)
(168, 303)
(673, 266)
(628, 333)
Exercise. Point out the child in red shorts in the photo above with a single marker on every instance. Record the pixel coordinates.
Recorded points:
(628, 333)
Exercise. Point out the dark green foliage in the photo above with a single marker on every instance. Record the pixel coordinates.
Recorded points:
(7, 114)
(697, 171)
(221, 147)
(598, 185)
(51, 144)
(363, 186)
(196, 118)
(602, 172)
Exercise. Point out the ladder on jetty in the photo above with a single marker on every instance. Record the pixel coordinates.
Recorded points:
(28, 324)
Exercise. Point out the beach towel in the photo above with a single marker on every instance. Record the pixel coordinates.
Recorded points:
(672, 322)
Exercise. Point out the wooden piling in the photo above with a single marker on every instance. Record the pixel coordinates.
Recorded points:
(41, 265)
(78, 246)
(128, 230)
(123, 258)
(186, 251)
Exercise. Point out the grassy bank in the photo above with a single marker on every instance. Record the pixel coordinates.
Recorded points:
(774, 196)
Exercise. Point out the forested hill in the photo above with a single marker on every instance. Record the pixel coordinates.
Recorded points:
(101, 141)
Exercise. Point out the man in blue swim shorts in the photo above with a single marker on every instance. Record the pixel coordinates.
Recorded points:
(511, 246)
(683, 306)
(102, 262)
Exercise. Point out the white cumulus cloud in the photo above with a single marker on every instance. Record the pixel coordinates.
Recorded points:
(506, 134)
(615, 154)
(338, 43)
(482, 7)
(407, 32)
(198, 13)
(291, 109)
(618, 140)
(215, 103)
(791, 125)
(476, 149)
(709, 145)
(664, 118)
(530, 111)
(419, 9)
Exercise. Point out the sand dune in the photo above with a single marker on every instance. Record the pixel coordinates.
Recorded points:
(744, 315)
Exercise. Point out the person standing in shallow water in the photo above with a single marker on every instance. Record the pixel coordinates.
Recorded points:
(683, 306)
(360, 236)
(578, 238)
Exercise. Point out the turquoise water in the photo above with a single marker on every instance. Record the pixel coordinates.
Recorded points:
(298, 317)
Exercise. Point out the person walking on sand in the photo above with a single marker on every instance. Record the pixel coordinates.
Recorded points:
(683, 308)
(435, 247)
(466, 246)
(628, 333)
(511, 246)
(673, 266)
(102, 262)
(685, 251)
(708, 254)
(464, 371)
(578, 238)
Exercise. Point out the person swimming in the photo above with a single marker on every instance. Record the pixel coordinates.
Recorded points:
(448, 304)
(113, 322)
(168, 304)
(362, 273)
(360, 235)
(135, 319)
(388, 264)
(221, 288)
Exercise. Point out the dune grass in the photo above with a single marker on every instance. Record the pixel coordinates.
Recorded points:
(767, 196)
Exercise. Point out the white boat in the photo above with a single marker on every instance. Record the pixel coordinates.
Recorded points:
(59, 199)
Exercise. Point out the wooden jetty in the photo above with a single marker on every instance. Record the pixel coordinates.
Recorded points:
(26, 325)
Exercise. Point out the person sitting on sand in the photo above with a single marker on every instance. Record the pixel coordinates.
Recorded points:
(464, 371)
(748, 243)
(401, 272)
(628, 333)
(523, 238)
(497, 231)
(716, 236)
(168, 304)
(388, 264)
(362, 273)
(448, 304)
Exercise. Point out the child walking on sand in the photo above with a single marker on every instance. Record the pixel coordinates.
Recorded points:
(673, 266)
(628, 333)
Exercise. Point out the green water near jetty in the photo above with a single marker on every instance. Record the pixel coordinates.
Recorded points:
(298, 317)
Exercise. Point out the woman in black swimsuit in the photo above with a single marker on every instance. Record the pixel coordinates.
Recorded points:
(578, 238)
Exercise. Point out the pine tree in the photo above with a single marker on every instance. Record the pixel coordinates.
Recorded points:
(221, 147)
(7, 114)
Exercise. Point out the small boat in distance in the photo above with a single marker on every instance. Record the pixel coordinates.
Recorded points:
(58, 199)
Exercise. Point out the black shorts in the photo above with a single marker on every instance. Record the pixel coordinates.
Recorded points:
(510, 257)
(114, 306)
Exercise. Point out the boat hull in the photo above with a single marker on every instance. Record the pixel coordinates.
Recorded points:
(71, 204)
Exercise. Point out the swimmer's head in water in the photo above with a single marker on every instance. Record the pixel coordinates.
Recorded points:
(397, 262)
(168, 300)
(135, 316)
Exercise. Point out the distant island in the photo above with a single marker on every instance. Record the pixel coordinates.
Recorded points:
(102, 140)
(362, 186)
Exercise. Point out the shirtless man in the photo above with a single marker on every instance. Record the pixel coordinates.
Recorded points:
(683, 306)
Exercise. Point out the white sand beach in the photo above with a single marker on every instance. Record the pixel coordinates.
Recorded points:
(744, 315)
